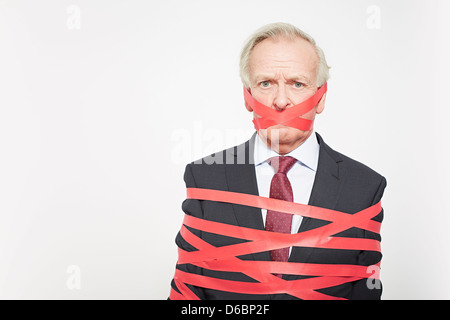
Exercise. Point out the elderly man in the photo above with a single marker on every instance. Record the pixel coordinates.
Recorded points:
(282, 216)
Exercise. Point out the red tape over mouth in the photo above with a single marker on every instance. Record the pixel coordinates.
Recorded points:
(225, 258)
(289, 117)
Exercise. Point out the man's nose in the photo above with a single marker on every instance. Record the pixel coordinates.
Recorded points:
(281, 100)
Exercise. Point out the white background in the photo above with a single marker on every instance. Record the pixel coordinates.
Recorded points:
(102, 103)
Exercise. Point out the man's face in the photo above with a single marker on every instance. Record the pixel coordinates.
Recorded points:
(283, 73)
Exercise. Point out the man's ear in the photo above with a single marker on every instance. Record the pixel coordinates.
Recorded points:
(247, 106)
(321, 104)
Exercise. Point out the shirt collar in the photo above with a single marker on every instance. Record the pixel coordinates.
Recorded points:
(307, 153)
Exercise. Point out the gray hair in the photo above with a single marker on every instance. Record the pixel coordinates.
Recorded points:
(275, 30)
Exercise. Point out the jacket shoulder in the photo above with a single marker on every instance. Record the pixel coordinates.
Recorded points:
(359, 180)
(351, 166)
(358, 169)
(209, 171)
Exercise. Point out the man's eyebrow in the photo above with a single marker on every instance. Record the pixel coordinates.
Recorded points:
(264, 76)
(299, 77)
(294, 77)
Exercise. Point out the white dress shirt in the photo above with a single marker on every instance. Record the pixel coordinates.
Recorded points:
(301, 175)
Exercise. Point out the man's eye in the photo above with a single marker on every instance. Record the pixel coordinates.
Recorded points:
(264, 84)
(298, 84)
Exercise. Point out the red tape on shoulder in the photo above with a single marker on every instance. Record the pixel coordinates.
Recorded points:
(224, 258)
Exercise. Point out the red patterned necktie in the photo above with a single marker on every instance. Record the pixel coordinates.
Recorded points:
(280, 188)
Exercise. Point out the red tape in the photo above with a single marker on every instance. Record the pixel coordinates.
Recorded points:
(289, 117)
(225, 258)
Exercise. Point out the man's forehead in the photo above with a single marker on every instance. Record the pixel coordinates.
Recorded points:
(296, 59)
(283, 47)
(287, 74)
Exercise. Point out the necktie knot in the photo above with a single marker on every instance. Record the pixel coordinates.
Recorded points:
(282, 164)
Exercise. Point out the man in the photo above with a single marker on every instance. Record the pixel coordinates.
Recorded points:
(283, 71)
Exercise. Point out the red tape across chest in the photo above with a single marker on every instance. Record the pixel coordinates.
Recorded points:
(224, 258)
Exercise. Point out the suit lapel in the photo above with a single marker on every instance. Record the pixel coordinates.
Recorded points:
(325, 194)
(326, 185)
(241, 177)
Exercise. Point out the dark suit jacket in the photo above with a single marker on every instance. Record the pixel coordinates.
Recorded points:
(340, 184)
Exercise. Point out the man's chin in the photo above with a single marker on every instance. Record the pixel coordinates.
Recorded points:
(283, 138)
(283, 134)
